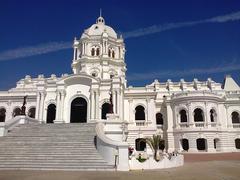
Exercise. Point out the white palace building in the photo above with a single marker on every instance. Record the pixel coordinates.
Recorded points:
(192, 117)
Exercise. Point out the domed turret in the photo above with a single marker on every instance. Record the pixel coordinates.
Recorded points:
(99, 52)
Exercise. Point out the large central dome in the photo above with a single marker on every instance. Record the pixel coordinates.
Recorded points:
(99, 28)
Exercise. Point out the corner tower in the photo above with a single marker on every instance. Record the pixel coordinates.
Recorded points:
(99, 52)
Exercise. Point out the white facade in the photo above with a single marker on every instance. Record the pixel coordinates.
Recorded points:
(191, 116)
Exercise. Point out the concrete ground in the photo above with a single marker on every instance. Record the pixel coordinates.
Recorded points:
(206, 166)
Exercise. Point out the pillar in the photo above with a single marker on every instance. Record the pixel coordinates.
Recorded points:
(92, 98)
(63, 94)
(58, 106)
(42, 106)
(97, 105)
(37, 106)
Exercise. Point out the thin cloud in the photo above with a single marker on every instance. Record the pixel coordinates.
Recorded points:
(181, 73)
(160, 28)
(34, 50)
(58, 46)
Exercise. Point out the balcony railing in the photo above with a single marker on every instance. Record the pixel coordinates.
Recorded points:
(236, 125)
(184, 125)
(140, 122)
(199, 124)
(213, 124)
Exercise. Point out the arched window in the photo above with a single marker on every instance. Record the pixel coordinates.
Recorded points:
(2, 114)
(183, 116)
(97, 52)
(93, 52)
(105, 110)
(109, 53)
(201, 144)
(139, 113)
(235, 117)
(140, 144)
(159, 119)
(237, 143)
(216, 143)
(213, 115)
(16, 112)
(113, 54)
(94, 74)
(31, 112)
(185, 144)
(198, 115)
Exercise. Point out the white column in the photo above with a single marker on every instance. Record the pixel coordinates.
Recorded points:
(114, 95)
(58, 106)
(97, 105)
(42, 106)
(170, 128)
(119, 102)
(63, 94)
(192, 145)
(190, 116)
(92, 98)
(130, 112)
(37, 106)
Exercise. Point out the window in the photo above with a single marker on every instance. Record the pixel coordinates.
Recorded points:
(139, 113)
(111, 76)
(235, 117)
(185, 144)
(140, 144)
(159, 119)
(201, 144)
(94, 74)
(109, 53)
(183, 116)
(97, 52)
(237, 143)
(113, 54)
(213, 115)
(198, 115)
(2, 114)
(93, 52)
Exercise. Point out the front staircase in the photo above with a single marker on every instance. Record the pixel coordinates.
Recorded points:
(51, 147)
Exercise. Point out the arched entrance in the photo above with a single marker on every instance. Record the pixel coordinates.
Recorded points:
(78, 110)
(216, 143)
(105, 110)
(51, 113)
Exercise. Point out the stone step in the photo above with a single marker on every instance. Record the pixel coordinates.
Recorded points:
(51, 147)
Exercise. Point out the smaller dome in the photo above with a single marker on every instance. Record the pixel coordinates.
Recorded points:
(100, 29)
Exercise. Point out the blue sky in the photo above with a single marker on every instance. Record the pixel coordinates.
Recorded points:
(164, 39)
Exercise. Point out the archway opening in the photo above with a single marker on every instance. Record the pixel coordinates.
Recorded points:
(78, 110)
(202, 144)
(105, 110)
(235, 117)
(31, 112)
(159, 119)
(198, 115)
(139, 113)
(185, 144)
(237, 143)
(2, 114)
(183, 116)
(16, 112)
(140, 144)
(51, 113)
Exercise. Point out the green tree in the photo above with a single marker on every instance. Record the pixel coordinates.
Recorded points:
(156, 143)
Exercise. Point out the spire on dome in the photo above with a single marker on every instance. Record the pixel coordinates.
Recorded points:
(100, 19)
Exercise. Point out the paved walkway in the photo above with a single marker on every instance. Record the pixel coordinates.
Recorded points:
(195, 169)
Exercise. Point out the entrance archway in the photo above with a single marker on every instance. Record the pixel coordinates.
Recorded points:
(105, 110)
(51, 113)
(78, 110)
(216, 143)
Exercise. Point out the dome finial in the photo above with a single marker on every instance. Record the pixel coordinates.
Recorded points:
(100, 19)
